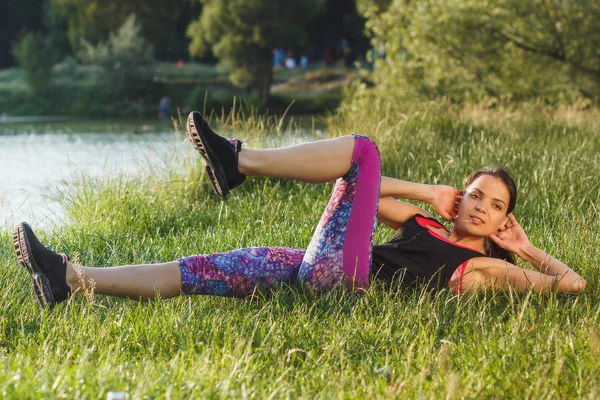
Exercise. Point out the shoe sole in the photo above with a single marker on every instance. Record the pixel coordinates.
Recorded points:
(214, 169)
(41, 284)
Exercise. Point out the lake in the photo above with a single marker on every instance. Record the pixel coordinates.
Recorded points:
(40, 160)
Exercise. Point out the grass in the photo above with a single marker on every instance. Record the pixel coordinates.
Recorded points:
(291, 343)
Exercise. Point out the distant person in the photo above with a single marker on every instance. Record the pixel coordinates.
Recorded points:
(180, 63)
(347, 54)
(290, 61)
(371, 56)
(381, 51)
(163, 108)
(277, 59)
(304, 64)
(477, 254)
(345, 46)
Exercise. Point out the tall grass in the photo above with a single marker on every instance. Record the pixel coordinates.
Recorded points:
(291, 343)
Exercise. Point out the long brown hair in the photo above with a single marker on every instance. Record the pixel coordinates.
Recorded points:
(502, 173)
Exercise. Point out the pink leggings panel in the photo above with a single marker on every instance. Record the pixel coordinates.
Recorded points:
(358, 246)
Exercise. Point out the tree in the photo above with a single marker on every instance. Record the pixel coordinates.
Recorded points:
(160, 21)
(17, 18)
(469, 50)
(20, 17)
(243, 33)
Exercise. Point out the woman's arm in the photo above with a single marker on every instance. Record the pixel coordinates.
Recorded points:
(543, 261)
(492, 273)
(395, 213)
(391, 187)
(513, 238)
(553, 274)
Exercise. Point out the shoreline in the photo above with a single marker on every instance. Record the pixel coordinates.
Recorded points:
(4, 119)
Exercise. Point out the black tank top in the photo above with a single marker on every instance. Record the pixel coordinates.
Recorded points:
(419, 256)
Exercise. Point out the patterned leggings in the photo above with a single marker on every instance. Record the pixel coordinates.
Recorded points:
(340, 248)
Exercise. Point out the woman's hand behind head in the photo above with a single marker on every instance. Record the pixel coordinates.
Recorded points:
(511, 236)
(445, 200)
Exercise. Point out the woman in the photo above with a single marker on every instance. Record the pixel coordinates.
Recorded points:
(475, 255)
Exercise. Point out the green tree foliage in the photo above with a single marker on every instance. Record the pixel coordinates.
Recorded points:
(93, 20)
(243, 33)
(20, 17)
(56, 32)
(339, 19)
(469, 50)
(124, 60)
(16, 18)
(35, 56)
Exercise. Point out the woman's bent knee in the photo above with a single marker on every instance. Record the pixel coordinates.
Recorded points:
(366, 151)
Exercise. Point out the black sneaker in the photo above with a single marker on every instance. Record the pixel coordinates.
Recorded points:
(47, 268)
(220, 154)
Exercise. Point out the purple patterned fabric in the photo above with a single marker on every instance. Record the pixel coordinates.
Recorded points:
(322, 266)
(236, 273)
(339, 250)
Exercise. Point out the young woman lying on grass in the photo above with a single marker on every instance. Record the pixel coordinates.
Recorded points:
(475, 255)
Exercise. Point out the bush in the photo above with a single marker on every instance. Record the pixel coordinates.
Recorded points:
(314, 104)
(472, 51)
(35, 56)
(125, 61)
(222, 100)
(197, 97)
(225, 100)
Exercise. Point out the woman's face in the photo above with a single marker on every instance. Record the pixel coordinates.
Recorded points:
(483, 209)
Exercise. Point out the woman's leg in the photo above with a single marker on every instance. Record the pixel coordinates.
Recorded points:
(341, 247)
(228, 163)
(136, 282)
(239, 273)
(236, 273)
(313, 162)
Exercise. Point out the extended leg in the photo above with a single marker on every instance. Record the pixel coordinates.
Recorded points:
(239, 273)
(54, 278)
(132, 281)
(236, 273)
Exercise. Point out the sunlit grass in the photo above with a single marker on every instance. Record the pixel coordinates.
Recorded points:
(291, 343)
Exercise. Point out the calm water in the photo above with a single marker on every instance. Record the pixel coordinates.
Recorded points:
(39, 160)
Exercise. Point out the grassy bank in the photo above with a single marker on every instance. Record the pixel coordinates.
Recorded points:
(79, 90)
(291, 344)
